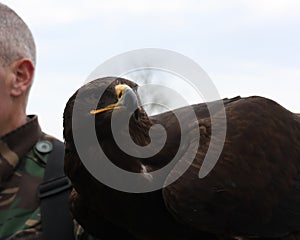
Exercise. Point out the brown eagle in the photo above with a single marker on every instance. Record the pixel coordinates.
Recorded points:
(253, 191)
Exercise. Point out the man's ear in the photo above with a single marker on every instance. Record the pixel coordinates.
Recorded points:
(23, 71)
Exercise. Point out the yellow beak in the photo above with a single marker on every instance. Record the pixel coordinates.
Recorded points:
(109, 107)
(126, 99)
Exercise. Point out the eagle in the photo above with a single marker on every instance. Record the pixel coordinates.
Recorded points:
(253, 191)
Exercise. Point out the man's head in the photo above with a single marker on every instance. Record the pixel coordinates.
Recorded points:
(16, 40)
(17, 63)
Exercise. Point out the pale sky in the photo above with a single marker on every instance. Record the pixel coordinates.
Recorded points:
(247, 47)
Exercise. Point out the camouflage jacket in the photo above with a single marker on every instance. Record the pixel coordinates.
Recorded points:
(22, 167)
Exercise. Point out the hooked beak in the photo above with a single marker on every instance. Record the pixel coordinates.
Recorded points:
(126, 99)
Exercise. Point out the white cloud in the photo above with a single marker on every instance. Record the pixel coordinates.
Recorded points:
(251, 78)
(273, 8)
(56, 11)
(51, 12)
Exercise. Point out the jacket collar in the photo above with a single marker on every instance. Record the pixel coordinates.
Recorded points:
(16, 144)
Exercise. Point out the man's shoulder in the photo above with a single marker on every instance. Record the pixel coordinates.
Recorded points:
(40, 152)
(46, 145)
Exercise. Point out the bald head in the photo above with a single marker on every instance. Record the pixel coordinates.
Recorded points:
(16, 40)
(17, 64)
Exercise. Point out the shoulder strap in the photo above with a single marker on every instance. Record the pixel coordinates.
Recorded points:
(54, 192)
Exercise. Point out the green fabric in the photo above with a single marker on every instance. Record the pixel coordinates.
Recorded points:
(22, 169)
(22, 173)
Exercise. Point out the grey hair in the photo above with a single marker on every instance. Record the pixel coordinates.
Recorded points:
(16, 40)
